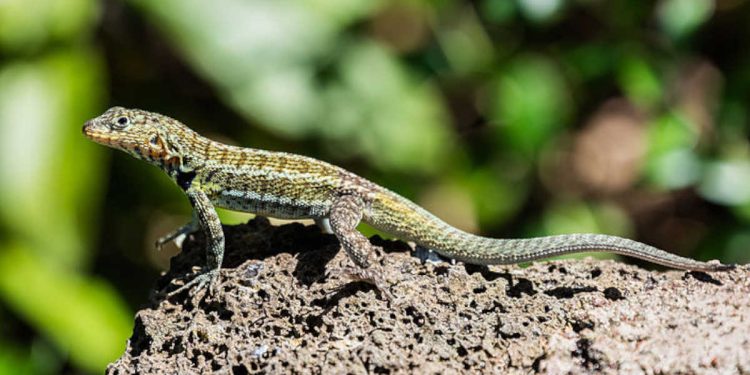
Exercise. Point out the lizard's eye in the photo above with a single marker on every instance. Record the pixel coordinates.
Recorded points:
(154, 140)
(122, 122)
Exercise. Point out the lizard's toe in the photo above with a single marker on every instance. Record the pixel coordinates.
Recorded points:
(198, 283)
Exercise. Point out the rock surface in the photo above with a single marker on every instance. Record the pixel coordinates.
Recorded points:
(279, 308)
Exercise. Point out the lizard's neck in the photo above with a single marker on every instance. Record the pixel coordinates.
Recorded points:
(189, 153)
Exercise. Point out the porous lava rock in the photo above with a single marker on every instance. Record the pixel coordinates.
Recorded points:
(284, 304)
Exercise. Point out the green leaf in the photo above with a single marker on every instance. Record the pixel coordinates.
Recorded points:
(497, 195)
(13, 361)
(540, 11)
(46, 165)
(640, 81)
(679, 18)
(377, 110)
(81, 315)
(28, 25)
(466, 44)
(366, 103)
(531, 103)
(260, 55)
(726, 182)
(672, 161)
(51, 175)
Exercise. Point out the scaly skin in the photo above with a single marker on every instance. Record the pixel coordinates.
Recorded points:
(291, 186)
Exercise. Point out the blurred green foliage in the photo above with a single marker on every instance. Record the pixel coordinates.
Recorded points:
(532, 104)
(509, 118)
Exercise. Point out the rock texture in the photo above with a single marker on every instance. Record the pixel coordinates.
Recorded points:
(283, 307)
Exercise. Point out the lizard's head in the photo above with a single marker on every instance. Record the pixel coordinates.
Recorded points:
(145, 135)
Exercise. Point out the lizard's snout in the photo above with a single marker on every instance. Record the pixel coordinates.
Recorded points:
(86, 126)
(91, 129)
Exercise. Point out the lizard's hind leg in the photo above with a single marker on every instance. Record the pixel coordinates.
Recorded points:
(345, 215)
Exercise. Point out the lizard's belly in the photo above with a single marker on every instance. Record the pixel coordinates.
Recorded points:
(268, 204)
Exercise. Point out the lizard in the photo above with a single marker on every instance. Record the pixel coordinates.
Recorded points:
(291, 186)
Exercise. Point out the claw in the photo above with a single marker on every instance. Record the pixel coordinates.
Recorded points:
(178, 235)
(198, 283)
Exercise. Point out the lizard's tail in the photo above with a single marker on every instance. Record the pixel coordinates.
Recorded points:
(397, 215)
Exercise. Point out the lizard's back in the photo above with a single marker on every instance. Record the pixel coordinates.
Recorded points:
(276, 184)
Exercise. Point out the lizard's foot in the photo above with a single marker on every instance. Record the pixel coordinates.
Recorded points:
(178, 235)
(207, 278)
(178, 241)
(371, 275)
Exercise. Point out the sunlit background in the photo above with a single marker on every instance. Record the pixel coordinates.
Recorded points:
(507, 118)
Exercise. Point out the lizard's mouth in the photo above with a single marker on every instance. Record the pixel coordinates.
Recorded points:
(91, 132)
(87, 127)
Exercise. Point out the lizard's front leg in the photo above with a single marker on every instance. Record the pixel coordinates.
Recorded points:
(345, 215)
(207, 219)
(189, 228)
